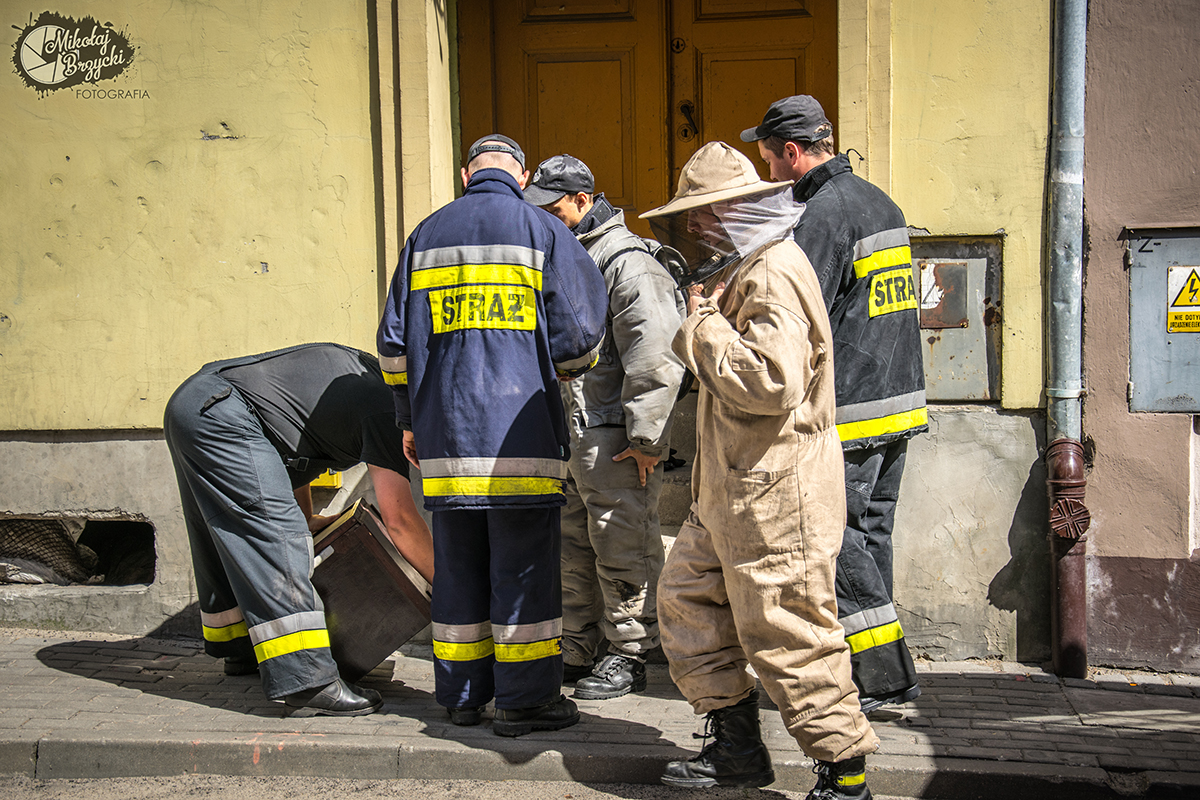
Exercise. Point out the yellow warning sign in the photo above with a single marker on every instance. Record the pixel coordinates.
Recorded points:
(1183, 313)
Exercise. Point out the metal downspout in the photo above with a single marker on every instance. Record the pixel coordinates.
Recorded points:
(1066, 482)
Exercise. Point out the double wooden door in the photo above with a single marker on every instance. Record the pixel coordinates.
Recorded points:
(634, 87)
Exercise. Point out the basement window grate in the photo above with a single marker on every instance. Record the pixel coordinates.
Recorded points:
(72, 551)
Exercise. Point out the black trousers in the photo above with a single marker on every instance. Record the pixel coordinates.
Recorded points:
(251, 549)
(879, 656)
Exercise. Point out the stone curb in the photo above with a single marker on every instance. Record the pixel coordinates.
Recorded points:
(537, 759)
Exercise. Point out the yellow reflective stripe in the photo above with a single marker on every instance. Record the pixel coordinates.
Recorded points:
(490, 486)
(291, 643)
(892, 291)
(395, 378)
(227, 633)
(881, 426)
(575, 373)
(483, 307)
(884, 634)
(852, 780)
(891, 257)
(507, 274)
(463, 651)
(528, 652)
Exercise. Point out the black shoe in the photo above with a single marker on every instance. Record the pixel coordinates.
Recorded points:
(614, 676)
(573, 672)
(736, 756)
(553, 716)
(338, 699)
(870, 704)
(241, 665)
(841, 780)
(465, 716)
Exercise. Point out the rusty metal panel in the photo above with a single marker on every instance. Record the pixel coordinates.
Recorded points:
(959, 278)
(1164, 319)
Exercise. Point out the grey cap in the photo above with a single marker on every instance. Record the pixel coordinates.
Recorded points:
(558, 176)
(794, 119)
(496, 143)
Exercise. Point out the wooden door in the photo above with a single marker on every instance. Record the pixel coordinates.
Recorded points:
(730, 59)
(619, 83)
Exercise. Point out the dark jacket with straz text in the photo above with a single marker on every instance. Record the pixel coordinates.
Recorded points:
(857, 241)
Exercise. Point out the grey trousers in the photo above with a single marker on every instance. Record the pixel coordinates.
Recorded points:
(612, 550)
(251, 549)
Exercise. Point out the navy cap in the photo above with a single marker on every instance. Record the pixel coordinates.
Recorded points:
(794, 119)
(496, 143)
(558, 176)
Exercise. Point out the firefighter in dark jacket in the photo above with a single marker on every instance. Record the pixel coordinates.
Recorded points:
(493, 302)
(247, 436)
(857, 241)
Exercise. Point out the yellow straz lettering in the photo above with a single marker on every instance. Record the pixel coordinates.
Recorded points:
(892, 291)
(483, 307)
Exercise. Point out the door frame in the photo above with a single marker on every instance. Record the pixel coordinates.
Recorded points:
(864, 84)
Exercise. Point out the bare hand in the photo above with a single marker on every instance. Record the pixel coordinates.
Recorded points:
(645, 463)
(410, 449)
(316, 522)
(697, 296)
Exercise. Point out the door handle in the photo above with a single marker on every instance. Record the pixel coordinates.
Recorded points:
(686, 108)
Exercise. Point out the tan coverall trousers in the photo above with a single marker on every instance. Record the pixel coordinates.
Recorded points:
(723, 605)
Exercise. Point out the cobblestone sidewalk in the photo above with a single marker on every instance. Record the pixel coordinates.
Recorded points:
(86, 706)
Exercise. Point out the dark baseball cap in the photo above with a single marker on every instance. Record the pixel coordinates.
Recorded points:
(558, 176)
(496, 143)
(794, 119)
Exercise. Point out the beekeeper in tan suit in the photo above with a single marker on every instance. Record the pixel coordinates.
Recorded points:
(750, 579)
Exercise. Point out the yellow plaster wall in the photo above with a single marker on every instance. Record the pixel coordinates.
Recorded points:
(430, 168)
(969, 125)
(230, 211)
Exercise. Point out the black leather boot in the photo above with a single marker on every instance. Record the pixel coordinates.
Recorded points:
(338, 699)
(736, 756)
(614, 676)
(841, 780)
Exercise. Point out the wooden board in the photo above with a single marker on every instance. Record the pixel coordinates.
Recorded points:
(374, 599)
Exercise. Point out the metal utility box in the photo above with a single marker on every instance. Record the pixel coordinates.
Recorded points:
(959, 280)
(1164, 318)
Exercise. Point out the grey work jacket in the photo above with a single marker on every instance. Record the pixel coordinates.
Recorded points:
(636, 380)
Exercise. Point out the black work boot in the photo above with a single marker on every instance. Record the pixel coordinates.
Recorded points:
(552, 716)
(735, 757)
(841, 780)
(614, 676)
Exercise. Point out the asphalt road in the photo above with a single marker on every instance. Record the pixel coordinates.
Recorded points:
(217, 788)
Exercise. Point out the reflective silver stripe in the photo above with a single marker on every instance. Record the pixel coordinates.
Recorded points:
(475, 632)
(896, 237)
(478, 254)
(874, 409)
(273, 629)
(579, 363)
(493, 468)
(530, 632)
(870, 618)
(393, 364)
(221, 618)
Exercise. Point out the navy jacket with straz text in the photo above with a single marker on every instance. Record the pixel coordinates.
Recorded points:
(492, 302)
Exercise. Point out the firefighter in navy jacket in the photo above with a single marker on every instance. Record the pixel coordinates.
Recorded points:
(493, 302)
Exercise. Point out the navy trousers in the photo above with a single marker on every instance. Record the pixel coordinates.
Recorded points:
(497, 607)
(879, 656)
(251, 548)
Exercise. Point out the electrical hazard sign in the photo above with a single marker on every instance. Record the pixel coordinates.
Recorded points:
(1183, 298)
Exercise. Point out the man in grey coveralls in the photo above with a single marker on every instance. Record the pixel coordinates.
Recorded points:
(619, 415)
